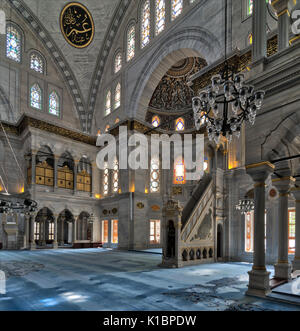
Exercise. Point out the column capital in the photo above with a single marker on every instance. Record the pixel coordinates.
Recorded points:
(283, 184)
(281, 7)
(260, 171)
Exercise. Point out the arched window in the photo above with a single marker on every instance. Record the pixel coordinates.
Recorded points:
(105, 179)
(179, 172)
(250, 39)
(118, 96)
(160, 16)
(118, 62)
(108, 103)
(117, 120)
(177, 7)
(115, 179)
(179, 124)
(155, 121)
(36, 96)
(13, 43)
(131, 43)
(36, 63)
(54, 106)
(154, 176)
(145, 28)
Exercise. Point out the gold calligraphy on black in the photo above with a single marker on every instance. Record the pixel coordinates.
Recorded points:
(77, 25)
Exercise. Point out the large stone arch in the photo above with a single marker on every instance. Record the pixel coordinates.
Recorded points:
(192, 42)
(283, 141)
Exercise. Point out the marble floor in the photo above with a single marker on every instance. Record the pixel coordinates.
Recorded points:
(99, 279)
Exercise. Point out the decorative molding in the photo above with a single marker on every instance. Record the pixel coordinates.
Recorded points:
(27, 122)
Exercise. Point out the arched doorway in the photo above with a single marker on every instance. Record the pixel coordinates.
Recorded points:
(171, 240)
(220, 241)
(44, 227)
(84, 227)
(65, 228)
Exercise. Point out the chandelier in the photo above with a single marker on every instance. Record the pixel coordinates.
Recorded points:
(245, 206)
(27, 207)
(226, 103)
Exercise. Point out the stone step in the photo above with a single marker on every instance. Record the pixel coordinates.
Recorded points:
(286, 298)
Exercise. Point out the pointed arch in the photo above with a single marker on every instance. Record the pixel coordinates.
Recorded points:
(54, 104)
(14, 42)
(131, 42)
(145, 24)
(37, 62)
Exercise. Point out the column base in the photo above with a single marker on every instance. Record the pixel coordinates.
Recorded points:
(259, 283)
(55, 245)
(296, 264)
(32, 246)
(283, 271)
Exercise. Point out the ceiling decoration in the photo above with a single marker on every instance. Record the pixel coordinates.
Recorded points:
(77, 25)
(173, 93)
(173, 96)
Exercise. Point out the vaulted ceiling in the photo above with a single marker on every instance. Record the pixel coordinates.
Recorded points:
(82, 68)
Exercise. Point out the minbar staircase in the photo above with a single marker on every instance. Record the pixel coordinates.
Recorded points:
(188, 233)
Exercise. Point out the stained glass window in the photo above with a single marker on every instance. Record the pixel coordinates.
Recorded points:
(54, 107)
(156, 121)
(177, 7)
(131, 43)
(117, 120)
(36, 63)
(108, 103)
(114, 231)
(36, 97)
(154, 232)
(118, 62)
(115, 179)
(179, 126)
(104, 232)
(179, 172)
(13, 43)
(107, 128)
(160, 15)
(292, 231)
(145, 29)
(118, 96)
(154, 176)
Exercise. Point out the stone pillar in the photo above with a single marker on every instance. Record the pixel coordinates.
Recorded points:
(27, 232)
(75, 175)
(283, 268)
(296, 262)
(32, 241)
(33, 166)
(55, 170)
(259, 278)
(282, 9)
(74, 234)
(259, 27)
(62, 228)
(55, 242)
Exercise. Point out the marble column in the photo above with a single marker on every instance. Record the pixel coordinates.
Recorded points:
(56, 158)
(62, 228)
(282, 9)
(33, 166)
(296, 262)
(55, 242)
(27, 232)
(75, 175)
(259, 27)
(74, 234)
(259, 278)
(32, 241)
(283, 268)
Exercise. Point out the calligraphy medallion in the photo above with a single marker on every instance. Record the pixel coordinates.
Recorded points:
(77, 25)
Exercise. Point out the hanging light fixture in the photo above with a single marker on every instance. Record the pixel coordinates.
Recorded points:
(226, 103)
(245, 206)
(25, 207)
